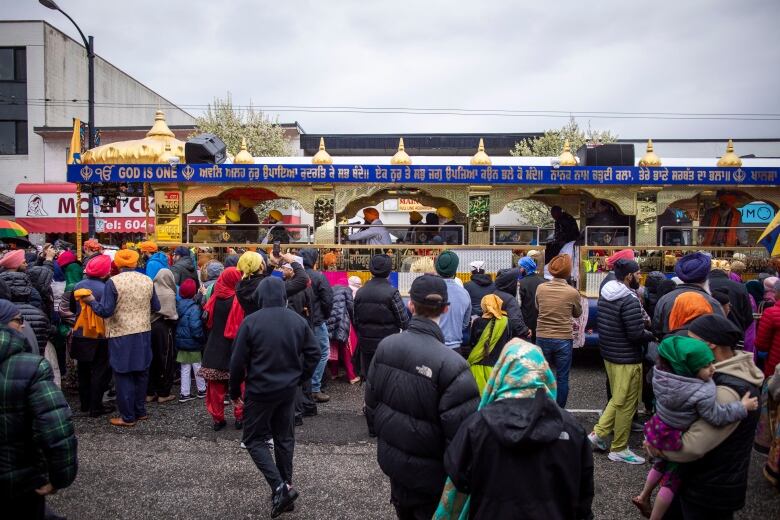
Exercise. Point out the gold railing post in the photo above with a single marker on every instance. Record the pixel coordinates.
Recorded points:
(146, 201)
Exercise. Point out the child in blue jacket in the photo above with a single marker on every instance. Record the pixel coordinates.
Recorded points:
(189, 341)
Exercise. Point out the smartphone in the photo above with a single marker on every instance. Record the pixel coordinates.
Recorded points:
(276, 251)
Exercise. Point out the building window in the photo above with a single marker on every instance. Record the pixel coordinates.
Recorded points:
(13, 101)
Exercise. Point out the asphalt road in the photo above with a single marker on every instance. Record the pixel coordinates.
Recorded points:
(175, 466)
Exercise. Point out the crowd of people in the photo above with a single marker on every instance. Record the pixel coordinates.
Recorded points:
(465, 385)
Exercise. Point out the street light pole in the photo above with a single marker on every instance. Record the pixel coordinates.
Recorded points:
(89, 44)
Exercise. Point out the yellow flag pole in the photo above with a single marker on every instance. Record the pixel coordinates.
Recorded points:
(146, 201)
(78, 221)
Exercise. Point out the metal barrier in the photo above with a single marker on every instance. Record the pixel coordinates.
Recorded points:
(224, 232)
(535, 230)
(414, 230)
(692, 235)
(612, 231)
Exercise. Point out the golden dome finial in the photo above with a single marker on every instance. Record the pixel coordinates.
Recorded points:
(243, 156)
(650, 158)
(730, 158)
(160, 127)
(481, 158)
(401, 157)
(567, 158)
(322, 156)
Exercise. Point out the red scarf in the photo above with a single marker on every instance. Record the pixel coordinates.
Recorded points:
(226, 288)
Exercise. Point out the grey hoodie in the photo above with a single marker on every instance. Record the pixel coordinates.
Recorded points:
(681, 400)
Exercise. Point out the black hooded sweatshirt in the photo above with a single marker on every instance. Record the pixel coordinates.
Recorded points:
(322, 303)
(523, 458)
(481, 285)
(275, 349)
(506, 289)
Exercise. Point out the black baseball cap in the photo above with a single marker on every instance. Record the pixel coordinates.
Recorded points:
(429, 289)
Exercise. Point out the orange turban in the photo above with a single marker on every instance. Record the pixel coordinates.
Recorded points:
(148, 247)
(92, 245)
(370, 214)
(329, 259)
(687, 307)
(126, 258)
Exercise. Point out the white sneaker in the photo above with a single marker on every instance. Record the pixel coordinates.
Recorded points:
(597, 442)
(627, 456)
(242, 445)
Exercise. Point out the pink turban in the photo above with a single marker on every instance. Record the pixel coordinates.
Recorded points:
(98, 267)
(623, 254)
(66, 258)
(12, 259)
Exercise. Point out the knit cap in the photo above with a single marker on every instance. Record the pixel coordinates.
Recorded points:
(686, 355)
(447, 264)
(187, 289)
(380, 266)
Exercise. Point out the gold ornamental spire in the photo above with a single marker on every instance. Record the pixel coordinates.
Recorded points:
(650, 158)
(567, 158)
(322, 156)
(481, 158)
(401, 157)
(243, 156)
(730, 158)
(160, 127)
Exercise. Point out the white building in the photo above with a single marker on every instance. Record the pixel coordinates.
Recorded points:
(42, 72)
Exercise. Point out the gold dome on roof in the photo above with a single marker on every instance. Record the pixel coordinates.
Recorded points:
(167, 154)
(322, 156)
(243, 156)
(401, 157)
(567, 158)
(149, 150)
(730, 158)
(481, 158)
(650, 158)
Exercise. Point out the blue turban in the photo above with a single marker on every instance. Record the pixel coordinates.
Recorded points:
(8, 311)
(528, 264)
(693, 268)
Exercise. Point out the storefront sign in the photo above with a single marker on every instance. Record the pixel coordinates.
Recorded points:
(386, 174)
(405, 205)
(757, 213)
(168, 226)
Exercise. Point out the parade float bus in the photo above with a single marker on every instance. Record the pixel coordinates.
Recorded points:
(662, 208)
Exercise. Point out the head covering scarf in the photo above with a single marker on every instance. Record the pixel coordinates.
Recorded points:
(8, 311)
(477, 266)
(488, 339)
(226, 288)
(98, 267)
(686, 355)
(491, 306)
(250, 263)
(687, 307)
(148, 247)
(519, 373)
(12, 259)
(756, 290)
(214, 269)
(769, 288)
(355, 283)
(126, 259)
(165, 287)
(528, 264)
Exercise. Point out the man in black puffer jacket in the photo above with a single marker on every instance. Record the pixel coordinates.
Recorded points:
(321, 306)
(622, 335)
(21, 293)
(379, 312)
(506, 289)
(418, 393)
(481, 285)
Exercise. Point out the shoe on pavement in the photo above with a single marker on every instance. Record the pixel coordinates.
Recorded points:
(201, 394)
(227, 401)
(118, 421)
(283, 498)
(597, 442)
(320, 398)
(219, 425)
(354, 381)
(627, 456)
(151, 398)
(142, 418)
(166, 399)
(298, 420)
(185, 398)
(242, 445)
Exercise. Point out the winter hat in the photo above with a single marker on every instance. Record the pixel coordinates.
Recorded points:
(187, 289)
(12, 259)
(686, 355)
(66, 258)
(693, 267)
(528, 264)
(715, 329)
(231, 261)
(623, 254)
(126, 258)
(98, 267)
(380, 266)
(560, 266)
(214, 269)
(477, 266)
(181, 251)
(148, 247)
(687, 307)
(447, 264)
(624, 267)
(721, 295)
(8, 311)
(429, 290)
(250, 263)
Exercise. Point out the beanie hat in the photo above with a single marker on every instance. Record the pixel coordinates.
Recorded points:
(66, 258)
(625, 254)
(98, 267)
(686, 355)
(181, 251)
(8, 311)
(715, 329)
(623, 268)
(187, 289)
(12, 259)
(447, 264)
(214, 269)
(380, 266)
(126, 258)
(528, 264)
(560, 266)
(693, 267)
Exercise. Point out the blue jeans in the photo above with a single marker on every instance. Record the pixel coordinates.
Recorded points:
(321, 333)
(557, 352)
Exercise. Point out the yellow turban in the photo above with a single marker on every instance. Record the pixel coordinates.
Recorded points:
(250, 263)
(148, 247)
(444, 212)
(126, 258)
(232, 216)
(276, 215)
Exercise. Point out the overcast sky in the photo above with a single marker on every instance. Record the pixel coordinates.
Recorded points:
(692, 56)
